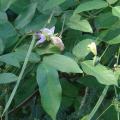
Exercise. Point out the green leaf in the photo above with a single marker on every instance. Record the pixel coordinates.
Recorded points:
(91, 5)
(77, 23)
(15, 58)
(52, 3)
(50, 89)
(7, 78)
(7, 30)
(69, 89)
(68, 4)
(37, 23)
(3, 17)
(104, 76)
(19, 6)
(5, 4)
(49, 49)
(82, 25)
(26, 16)
(41, 4)
(1, 46)
(112, 36)
(89, 81)
(112, 1)
(10, 59)
(53, 7)
(81, 49)
(62, 63)
(72, 37)
(19, 56)
(105, 20)
(67, 101)
(116, 11)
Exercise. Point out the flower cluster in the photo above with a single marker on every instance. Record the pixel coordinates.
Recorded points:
(47, 34)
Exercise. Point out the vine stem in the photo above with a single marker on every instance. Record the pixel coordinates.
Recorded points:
(118, 56)
(62, 27)
(104, 111)
(20, 75)
(117, 63)
(116, 94)
(6, 99)
(98, 103)
(104, 52)
(118, 115)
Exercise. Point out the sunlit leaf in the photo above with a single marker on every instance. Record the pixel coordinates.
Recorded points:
(91, 5)
(104, 76)
(116, 11)
(77, 23)
(62, 63)
(111, 1)
(81, 49)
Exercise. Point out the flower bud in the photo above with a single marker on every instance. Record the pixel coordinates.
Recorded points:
(57, 42)
(92, 47)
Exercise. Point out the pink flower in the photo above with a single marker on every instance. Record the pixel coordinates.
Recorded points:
(57, 42)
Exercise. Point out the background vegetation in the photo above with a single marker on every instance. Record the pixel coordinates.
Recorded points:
(43, 81)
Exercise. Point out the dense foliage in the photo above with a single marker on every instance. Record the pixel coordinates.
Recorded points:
(59, 59)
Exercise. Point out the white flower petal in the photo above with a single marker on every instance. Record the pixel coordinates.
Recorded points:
(93, 48)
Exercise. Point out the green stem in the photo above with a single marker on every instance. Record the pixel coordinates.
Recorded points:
(104, 52)
(104, 111)
(118, 56)
(50, 18)
(115, 91)
(6, 99)
(118, 116)
(62, 27)
(116, 94)
(98, 103)
(20, 75)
